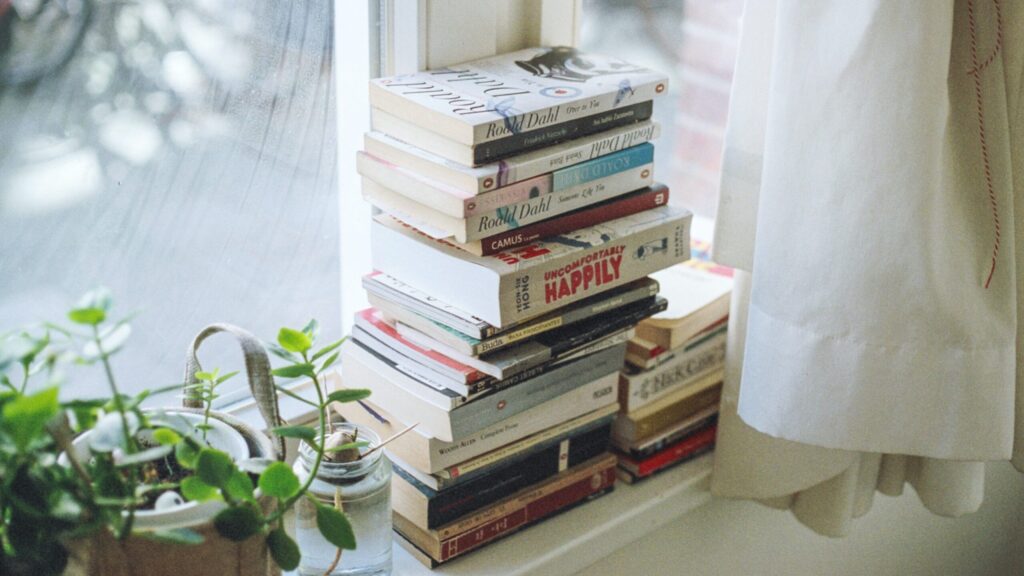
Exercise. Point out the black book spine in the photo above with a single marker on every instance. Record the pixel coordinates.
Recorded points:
(449, 504)
(525, 141)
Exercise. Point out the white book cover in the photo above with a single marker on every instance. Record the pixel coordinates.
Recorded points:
(514, 93)
(472, 181)
(526, 282)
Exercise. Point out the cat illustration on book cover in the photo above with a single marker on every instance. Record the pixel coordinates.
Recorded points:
(571, 65)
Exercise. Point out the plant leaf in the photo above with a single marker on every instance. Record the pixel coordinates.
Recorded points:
(214, 467)
(166, 436)
(25, 417)
(239, 486)
(330, 360)
(335, 527)
(281, 353)
(283, 549)
(185, 536)
(279, 481)
(311, 329)
(186, 454)
(238, 523)
(348, 395)
(225, 377)
(328, 349)
(193, 488)
(293, 340)
(295, 370)
(87, 316)
(301, 432)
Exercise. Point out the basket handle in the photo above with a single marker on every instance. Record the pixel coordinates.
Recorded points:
(257, 369)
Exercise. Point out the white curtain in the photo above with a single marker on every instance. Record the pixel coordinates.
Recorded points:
(873, 159)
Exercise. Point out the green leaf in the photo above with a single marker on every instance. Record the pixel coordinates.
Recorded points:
(214, 467)
(193, 488)
(311, 329)
(238, 523)
(295, 370)
(186, 454)
(166, 436)
(330, 360)
(239, 486)
(301, 432)
(225, 377)
(87, 316)
(281, 353)
(25, 417)
(279, 481)
(328, 349)
(293, 340)
(185, 536)
(335, 527)
(283, 549)
(205, 376)
(98, 297)
(348, 395)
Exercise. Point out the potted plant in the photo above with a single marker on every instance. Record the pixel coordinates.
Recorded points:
(104, 486)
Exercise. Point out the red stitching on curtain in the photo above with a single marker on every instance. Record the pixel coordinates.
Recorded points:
(975, 71)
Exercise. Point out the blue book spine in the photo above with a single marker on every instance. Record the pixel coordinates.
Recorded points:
(602, 167)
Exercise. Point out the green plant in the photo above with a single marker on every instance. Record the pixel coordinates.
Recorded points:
(45, 505)
(206, 391)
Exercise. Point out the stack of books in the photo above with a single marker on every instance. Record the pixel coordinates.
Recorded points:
(518, 223)
(670, 389)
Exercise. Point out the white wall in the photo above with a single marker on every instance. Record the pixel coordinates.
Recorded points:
(898, 537)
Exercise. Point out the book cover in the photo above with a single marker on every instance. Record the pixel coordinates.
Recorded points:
(472, 181)
(698, 292)
(521, 509)
(698, 357)
(653, 444)
(413, 402)
(638, 426)
(429, 508)
(515, 93)
(523, 283)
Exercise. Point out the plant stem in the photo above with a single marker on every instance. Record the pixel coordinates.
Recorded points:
(24, 378)
(206, 413)
(129, 441)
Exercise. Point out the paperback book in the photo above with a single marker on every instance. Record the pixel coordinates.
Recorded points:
(524, 283)
(471, 181)
(682, 451)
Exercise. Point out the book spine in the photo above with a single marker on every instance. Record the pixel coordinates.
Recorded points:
(426, 301)
(494, 408)
(529, 211)
(533, 290)
(539, 119)
(516, 451)
(641, 389)
(597, 394)
(582, 218)
(633, 430)
(651, 448)
(515, 192)
(681, 451)
(517, 142)
(450, 504)
(538, 508)
(568, 154)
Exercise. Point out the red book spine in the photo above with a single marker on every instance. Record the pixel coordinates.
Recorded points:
(623, 206)
(674, 453)
(533, 511)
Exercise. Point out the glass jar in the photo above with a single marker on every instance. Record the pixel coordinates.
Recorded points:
(363, 487)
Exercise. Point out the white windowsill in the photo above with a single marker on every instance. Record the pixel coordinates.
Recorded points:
(580, 537)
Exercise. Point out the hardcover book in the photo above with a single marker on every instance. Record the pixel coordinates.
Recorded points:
(513, 94)
(473, 181)
(524, 283)
(684, 450)
(429, 508)
(575, 485)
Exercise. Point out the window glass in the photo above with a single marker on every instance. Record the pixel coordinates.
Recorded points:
(181, 153)
(694, 42)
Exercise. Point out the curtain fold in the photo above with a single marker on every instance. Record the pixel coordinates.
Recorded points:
(870, 172)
